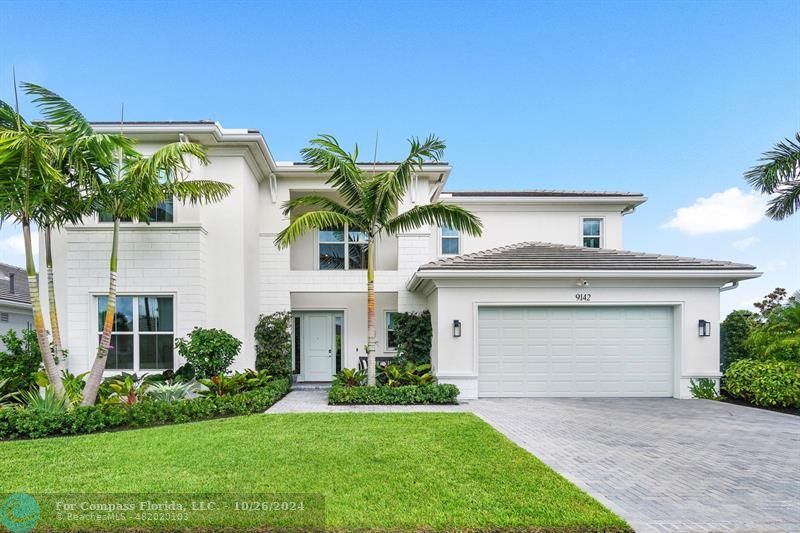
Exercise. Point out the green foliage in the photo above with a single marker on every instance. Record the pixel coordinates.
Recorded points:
(350, 377)
(48, 401)
(778, 338)
(73, 384)
(403, 395)
(273, 336)
(34, 423)
(406, 373)
(778, 175)
(170, 392)
(414, 335)
(20, 360)
(764, 383)
(210, 351)
(7, 399)
(733, 332)
(126, 389)
(704, 389)
(224, 385)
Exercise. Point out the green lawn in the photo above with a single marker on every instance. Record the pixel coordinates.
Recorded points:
(381, 471)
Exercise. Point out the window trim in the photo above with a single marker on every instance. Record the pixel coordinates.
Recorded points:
(132, 223)
(442, 237)
(94, 335)
(601, 236)
(386, 347)
(346, 243)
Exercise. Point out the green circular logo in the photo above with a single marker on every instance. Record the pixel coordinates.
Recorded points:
(20, 512)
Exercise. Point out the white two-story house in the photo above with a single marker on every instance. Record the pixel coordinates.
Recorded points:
(544, 303)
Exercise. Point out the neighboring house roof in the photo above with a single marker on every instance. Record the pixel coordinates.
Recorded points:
(547, 256)
(21, 293)
(537, 193)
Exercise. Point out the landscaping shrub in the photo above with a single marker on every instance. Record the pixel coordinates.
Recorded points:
(210, 351)
(764, 383)
(405, 373)
(414, 334)
(733, 332)
(34, 423)
(703, 389)
(778, 338)
(20, 360)
(274, 344)
(404, 395)
(351, 377)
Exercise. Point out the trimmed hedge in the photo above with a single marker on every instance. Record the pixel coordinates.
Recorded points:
(764, 383)
(35, 423)
(436, 393)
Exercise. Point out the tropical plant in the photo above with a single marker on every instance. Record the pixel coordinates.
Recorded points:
(209, 351)
(126, 388)
(407, 373)
(170, 392)
(778, 338)
(703, 388)
(49, 400)
(764, 383)
(350, 377)
(778, 175)
(47, 173)
(733, 334)
(8, 399)
(20, 360)
(774, 300)
(369, 203)
(73, 384)
(130, 190)
(414, 334)
(223, 385)
(273, 336)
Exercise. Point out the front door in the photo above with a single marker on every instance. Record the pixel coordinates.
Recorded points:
(317, 346)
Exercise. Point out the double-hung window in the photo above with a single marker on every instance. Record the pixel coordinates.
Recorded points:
(451, 244)
(592, 232)
(163, 212)
(343, 249)
(391, 336)
(143, 334)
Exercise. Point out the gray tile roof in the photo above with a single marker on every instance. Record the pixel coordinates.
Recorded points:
(21, 292)
(533, 193)
(548, 256)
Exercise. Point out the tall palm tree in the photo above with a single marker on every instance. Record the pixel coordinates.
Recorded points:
(779, 175)
(130, 189)
(370, 203)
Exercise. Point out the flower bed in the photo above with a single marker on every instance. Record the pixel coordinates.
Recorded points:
(18, 423)
(434, 393)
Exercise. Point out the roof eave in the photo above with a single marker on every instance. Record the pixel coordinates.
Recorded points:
(721, 274)
(628, 201)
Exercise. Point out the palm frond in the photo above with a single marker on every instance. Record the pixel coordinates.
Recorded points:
(310, 221)
(198, 191)
(786, 201)
(56, 110)
(779, 174)
(436, 214)
(8, 117)
(326, 155)
(319, 203)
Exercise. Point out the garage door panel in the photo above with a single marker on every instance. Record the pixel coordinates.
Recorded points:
(575, 351)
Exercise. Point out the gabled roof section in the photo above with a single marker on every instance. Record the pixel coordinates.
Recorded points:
(548, 256)
(21, 293)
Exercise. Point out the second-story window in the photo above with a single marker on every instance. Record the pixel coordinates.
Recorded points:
(592, 232)
(451, 244)
(343, 249)
(163, 212)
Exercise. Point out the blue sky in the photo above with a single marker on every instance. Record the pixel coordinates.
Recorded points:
(674, 99)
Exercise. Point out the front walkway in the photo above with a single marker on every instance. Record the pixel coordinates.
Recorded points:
(661, 464)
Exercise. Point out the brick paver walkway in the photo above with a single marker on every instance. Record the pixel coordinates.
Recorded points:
(662, 464)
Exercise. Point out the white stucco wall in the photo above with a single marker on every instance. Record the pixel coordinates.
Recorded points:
(456, 358)
(19, 318)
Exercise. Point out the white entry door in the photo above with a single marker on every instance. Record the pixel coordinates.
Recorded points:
(317, 346)
(575, 351)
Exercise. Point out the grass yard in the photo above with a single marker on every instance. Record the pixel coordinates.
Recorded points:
(375, 470)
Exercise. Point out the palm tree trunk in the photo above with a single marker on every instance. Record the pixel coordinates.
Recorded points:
(55, 331)
(96, 374)
(371, 340)
(50, 367)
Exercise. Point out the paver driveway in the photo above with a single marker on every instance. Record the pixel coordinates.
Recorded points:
(664, 464)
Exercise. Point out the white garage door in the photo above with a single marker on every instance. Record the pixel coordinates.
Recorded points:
(575, 351)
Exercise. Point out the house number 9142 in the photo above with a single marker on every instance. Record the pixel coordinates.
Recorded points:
(583, 297)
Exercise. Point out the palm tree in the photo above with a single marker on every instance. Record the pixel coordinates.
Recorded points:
(779, 175)
(369, 202)
(131, 188)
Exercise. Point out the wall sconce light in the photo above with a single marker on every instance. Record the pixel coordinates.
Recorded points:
(456, 328)
(704, 328)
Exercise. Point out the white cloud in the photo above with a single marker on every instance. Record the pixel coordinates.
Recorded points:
(729, 210)
(775, 265)
(15, 245)
(747, 242)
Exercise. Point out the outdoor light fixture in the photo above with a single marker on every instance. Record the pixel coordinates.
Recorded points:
(456, 328)
(704, 328)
